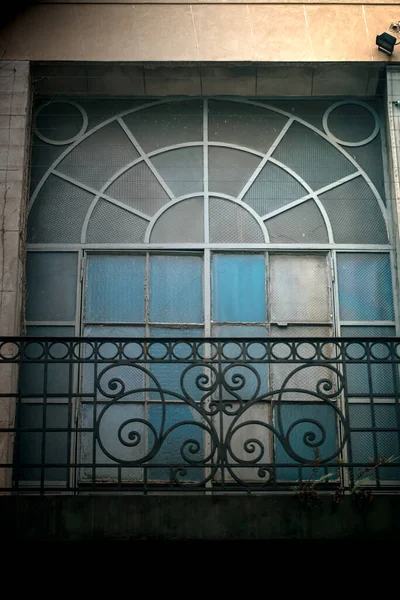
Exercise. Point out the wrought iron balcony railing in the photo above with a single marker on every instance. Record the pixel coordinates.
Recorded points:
(197, 415)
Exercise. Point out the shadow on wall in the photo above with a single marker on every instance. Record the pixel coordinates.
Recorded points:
(12, 9)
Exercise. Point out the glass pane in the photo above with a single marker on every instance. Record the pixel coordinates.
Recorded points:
(378, 331)
(365, 287)
(52, 278)
(129, 375)
(238, 292)
(255, 378)
(111, 224)
(273, 188)
(98, 157)
(299, 288)
(115, 288)
(30, 445)
(181, 169)
(124, 418)
(32, 375)
(301, 224)
(167, 124)
(183, 442)
(168, 374)
(139, 188)
(58, 213)
(182, 222)
(354, 214)
(243, 124)
(304, 431)
(384, 378)
(176, 289)
(306, 380)
(312, 157)
(229, 170)
(388, 442)
(231, 223)
(242, 453)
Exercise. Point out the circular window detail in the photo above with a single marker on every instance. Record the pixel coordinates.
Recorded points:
(341, 114)
(70, 117)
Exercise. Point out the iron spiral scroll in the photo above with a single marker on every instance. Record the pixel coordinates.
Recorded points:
(216, 394)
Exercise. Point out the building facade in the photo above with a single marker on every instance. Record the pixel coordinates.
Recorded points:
(213, 188)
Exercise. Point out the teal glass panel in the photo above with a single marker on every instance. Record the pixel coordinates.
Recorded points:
(387, 442)
(174, 449)
(322, 414)
(255, 374)
(383, 376)
(365, 287)
(238, 282)
(32, 375)
(115, 288)
(51, 284)
(30, 443)
(168, 374)
(176, 289)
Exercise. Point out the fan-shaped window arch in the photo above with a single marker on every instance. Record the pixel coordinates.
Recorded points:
(267, 158)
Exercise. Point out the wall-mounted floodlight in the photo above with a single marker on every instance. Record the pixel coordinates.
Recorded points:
(386, 43)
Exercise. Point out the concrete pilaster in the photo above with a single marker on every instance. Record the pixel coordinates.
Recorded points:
(14, 172)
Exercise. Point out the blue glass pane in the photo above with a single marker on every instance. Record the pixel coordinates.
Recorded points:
(365, 287)
(168, 375)
(131, 376)
(325, 416)
(51, 283)
(173, 450)
(176, 289)
(238, 292)
(115, 288)
(255, 374)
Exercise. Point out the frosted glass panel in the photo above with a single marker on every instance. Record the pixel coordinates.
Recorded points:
(52, 278)
(238, 292)
(120, 416)
(115, 288)
(365, 287)
(176, 289)
(168, 374)
(254, 383)
(299, 288)
(175, 443)
(131, 376)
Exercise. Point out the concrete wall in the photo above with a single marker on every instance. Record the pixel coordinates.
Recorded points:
(195, 518)
(200, 31)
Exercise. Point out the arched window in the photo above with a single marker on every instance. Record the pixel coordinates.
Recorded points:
(208, 217)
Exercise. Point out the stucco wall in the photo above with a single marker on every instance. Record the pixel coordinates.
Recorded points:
(201, 31)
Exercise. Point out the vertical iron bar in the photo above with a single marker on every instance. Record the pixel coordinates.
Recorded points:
(44, 418)
(70, 415)
(372, 408)
(94, 411)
